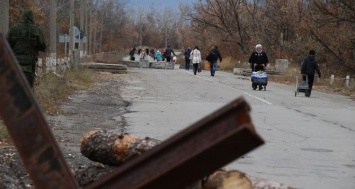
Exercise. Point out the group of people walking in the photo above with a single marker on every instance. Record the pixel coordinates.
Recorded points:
(194, 57)
(167, 54)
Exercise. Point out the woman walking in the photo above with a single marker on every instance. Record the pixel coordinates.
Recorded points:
(196, 59)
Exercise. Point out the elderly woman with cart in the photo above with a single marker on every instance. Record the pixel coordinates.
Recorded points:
(258, 61)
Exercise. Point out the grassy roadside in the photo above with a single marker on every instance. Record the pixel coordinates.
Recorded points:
(52, 89)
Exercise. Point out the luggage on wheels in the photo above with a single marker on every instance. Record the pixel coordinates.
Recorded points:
(259, 78)
(302, 86)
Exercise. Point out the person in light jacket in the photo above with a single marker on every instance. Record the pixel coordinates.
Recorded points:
(196, 59)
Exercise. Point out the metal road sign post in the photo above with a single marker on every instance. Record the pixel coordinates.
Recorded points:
(188, 156)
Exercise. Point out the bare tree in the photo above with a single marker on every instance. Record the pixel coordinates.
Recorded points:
(329, 18)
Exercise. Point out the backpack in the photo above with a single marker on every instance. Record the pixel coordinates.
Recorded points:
(210, 57)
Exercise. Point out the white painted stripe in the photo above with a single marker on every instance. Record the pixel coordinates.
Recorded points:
(250, 95)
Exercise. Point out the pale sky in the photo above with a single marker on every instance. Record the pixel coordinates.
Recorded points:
(173, 4)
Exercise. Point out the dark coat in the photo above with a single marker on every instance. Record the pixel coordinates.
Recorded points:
(26, 39)
(168, 52)
(258, 58)
(214, 55)
(187, 53)
(310, 66)
(132, 52)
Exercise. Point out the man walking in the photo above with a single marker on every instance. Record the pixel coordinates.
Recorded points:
(309, 67)
(213, 58)
(187, 58)
(167, 53)
(26, 40)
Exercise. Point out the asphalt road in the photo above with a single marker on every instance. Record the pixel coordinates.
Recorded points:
(310, 142)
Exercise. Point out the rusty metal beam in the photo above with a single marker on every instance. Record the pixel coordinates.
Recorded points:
(28, 128)
(191, 154)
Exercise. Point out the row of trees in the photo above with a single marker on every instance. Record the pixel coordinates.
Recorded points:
(286, 29)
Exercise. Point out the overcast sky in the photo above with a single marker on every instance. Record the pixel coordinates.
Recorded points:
(173, 4)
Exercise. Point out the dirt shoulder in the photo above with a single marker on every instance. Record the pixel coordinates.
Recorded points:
(100, 107)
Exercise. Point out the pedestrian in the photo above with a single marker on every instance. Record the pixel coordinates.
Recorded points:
(212, 58)
(187, 58)
(196, 59)
(26, 40)
(152, 53)
(309, 67)
(131, 53)
(258, 60)
(158, 56)
(143, 56)
(167, 53)
(139, 51)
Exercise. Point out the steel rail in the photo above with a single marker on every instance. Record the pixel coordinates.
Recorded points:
(28, 128)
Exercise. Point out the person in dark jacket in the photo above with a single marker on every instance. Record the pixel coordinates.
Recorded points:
(26, 40)
(258, 59)
(309, 67)
(187, 58)
(212, 58)
(167, 53)
(131, 53)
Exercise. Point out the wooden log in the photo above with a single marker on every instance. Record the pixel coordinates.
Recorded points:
(113, 147)
(104, 66)
(110, 70)
(222, 179)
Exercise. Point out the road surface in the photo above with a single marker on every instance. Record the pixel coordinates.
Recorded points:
(310, 142)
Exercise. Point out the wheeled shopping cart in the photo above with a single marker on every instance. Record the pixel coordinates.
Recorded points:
(259, 78)
(302, 86)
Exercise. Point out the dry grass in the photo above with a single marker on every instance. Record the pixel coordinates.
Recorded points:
(322, 84)
(4, 135)
(52, 89)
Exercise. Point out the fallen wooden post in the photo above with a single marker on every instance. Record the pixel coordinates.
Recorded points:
(113, 147)
(105, 67)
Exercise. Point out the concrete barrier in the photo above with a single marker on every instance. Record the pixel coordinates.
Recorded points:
(281, 65)
(148, 64)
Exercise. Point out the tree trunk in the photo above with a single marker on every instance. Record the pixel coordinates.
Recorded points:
(4, 16)
(222, 179)
(113, 147)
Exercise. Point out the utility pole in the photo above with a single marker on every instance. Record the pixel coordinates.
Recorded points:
(53, 31)
(82, 11)
(71, 29)
(86, 27)
(4, 16)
